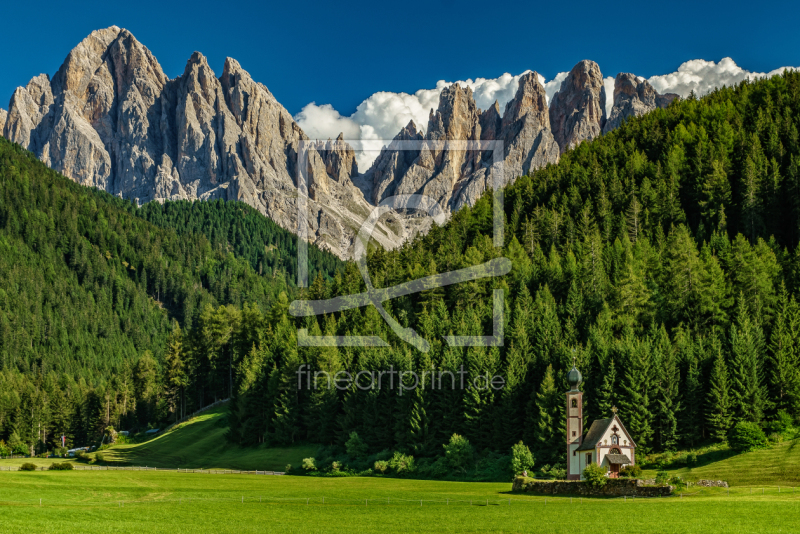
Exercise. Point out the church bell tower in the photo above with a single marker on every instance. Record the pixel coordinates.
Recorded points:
(574, 423)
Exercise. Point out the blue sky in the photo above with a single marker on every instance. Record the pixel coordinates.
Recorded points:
(342, 52)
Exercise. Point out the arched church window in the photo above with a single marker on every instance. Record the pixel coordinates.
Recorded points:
(615, 450)
(574, 403)
(614, 440)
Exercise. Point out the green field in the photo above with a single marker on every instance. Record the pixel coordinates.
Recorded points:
(764, 497)
(122, 501)
(200, 443)
(776, 466)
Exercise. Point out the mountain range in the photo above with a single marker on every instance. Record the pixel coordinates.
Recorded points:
(110, 118)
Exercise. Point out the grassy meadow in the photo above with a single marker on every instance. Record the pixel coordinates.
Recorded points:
(200, 443)
(764, 496)
(778, 465)
(122, 501)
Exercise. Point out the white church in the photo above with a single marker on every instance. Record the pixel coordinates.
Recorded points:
(607, 443)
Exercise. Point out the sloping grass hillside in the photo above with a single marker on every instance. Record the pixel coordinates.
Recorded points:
(776, 466)
(200, 443)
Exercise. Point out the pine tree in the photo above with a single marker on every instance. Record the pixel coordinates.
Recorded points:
(636, 388)
(692, 394)
(608, 391)
(716, 197)
(718, 411)
(631, 298)
(746, 380)
(509, 409)
(752, 220)
(175, 377)
(783, 363)
(666, 382)
(549, 430)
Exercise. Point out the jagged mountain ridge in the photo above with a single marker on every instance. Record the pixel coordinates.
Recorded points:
(455, 178)
(533, 134)
(112, 119)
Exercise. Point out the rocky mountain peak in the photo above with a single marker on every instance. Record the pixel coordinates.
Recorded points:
(491, 122)
(388, 169)
(577, 110)
(112, 119)
(339, 158)
(409, 132)
(29, 108)
(456, 117)
(455, 178)
(529, 98)
(633, 97)
(525, 130)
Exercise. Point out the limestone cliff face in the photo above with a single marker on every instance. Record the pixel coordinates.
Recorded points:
(633, 98)
(456, 178)
(392, 164)
(577, 111)
(525, 130)
(3, 117)
(339, 158)
(111, 118)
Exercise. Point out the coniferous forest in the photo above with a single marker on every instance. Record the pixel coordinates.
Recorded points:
(662, 258)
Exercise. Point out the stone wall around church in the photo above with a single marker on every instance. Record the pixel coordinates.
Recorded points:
(620, 487)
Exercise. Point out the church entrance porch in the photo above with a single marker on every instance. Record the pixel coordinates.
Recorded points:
(616, 460)
(613, 471)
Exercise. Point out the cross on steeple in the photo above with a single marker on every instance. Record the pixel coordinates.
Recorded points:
(614, 410)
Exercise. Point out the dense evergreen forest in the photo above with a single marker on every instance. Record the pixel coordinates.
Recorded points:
(662, 258)
(90, 291)
(239, 228)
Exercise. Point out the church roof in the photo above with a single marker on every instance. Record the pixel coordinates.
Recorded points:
(595, 434)
(618, 459)
(598, 429)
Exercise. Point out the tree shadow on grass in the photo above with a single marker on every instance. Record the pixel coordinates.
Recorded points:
(711, 457)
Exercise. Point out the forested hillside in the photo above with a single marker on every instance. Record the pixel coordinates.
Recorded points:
(663, 257)
(89, 292)
(239, 228)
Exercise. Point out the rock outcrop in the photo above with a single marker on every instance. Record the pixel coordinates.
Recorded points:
(392, 164)
(3, 117)
(456, 177)
(528, 141)
(434, 170)
(577, 110)
(634, 97)
(112, 119)
(339, 158)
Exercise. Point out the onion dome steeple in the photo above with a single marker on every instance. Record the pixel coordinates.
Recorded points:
(574, 378)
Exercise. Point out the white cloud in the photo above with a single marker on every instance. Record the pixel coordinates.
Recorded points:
(381, 116)
(608, 83)
(319, 121)
(552, 87)
(703, 76)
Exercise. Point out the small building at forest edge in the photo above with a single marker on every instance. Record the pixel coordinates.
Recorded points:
(607, 443)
